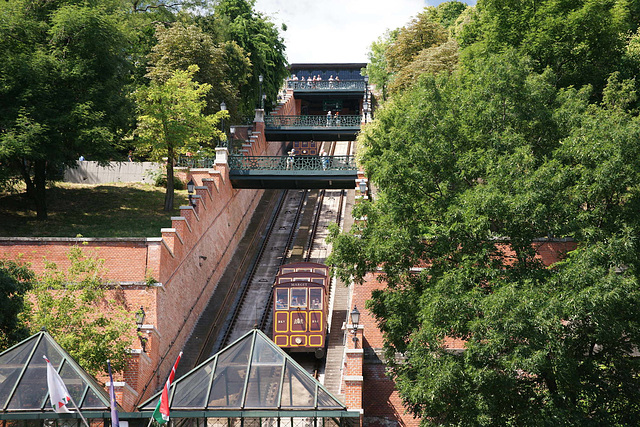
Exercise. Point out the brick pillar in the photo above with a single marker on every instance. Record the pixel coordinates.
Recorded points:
(352, 375)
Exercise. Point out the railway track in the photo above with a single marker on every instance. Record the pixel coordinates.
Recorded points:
(248, 303)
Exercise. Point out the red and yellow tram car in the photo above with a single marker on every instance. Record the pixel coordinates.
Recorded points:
(300, 307)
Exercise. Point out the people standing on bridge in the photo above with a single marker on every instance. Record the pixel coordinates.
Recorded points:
(324, 159)
(329, 118)
(291, 158)
(337, 118)
(331, 81)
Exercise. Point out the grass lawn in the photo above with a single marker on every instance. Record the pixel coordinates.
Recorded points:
(107, 210)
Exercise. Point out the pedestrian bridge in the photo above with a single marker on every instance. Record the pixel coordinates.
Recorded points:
(312, 127)
(293, 172)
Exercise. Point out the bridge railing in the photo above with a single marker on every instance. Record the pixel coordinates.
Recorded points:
(292, 163)
(326, 85)
(317, 121)
(195, 162)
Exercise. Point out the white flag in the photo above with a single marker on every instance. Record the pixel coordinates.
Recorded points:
(57, 390)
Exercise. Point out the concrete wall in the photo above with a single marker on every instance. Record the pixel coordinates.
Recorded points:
(90, 172)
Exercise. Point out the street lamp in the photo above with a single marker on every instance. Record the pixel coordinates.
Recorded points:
(191, 186)
(223, 107)
(261, 79)
(365, 104)
(355, 319)
(140, 315)
(362, 185)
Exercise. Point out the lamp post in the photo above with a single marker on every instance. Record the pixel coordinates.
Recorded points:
(191, 186)
(261, 79)
(365, 104)
(355, 319)
(223, 107)
(140, 315)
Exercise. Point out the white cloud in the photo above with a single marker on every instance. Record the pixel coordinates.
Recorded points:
(337, 30)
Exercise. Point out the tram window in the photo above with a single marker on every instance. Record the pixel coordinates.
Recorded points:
(282, 299)
(299, 297)
(315, 296)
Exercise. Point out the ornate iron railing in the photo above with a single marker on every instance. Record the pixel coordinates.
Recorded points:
(297, 163)
(195, 162)
(326, 85)
(280, 122)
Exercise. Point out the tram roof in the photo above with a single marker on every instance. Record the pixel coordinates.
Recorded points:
(250, 376)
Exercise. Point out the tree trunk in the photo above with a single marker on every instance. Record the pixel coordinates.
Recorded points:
(26, 176)
(40, 182)
(168, 195)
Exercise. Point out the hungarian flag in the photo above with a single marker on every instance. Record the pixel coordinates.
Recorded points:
(161, 414)
(57, 390)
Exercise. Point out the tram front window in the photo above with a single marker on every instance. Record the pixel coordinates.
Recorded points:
(282, 299)
(315, 296)
(299, 298)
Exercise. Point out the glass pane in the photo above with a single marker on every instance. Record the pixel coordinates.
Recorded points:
(315, 296)
(92, 401)
(299, 297)
(264, 380)
(298, 390)
(74, 383)
(325, 401)
(228, 384)
(282, 299)
(191, 392)
(32, 390)
(11, 364)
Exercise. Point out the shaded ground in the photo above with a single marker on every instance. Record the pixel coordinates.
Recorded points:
(109, 210)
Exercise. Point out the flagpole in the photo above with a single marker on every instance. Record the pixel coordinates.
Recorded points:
(78, 409)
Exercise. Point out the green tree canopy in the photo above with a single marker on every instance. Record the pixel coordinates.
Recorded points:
(15, 281)
(261, 41)
(72, 305)
(224, 67)
(171, 121)
(61, 81)
(473, 170)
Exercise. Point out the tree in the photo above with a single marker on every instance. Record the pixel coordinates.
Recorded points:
(421, 33)
(224, 67)
(15, 281)
(473, 169)
(73, 307)
(581, 41)
(378, 66)
(171, 121)
(61, 80)
(434, 60)
(261, 41)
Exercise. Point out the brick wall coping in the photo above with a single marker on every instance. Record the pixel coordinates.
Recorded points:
(353, 378)
(354, 351)
(78, 239)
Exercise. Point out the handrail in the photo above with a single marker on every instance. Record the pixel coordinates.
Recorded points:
(297, 163)
(327, 85)
(279, 122)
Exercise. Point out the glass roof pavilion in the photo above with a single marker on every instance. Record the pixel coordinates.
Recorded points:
(253, 378)
(252, 382)
(23, 382)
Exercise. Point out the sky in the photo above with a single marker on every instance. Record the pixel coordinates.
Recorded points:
(325, 31)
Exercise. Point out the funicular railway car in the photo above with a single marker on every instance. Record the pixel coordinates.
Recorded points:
(300, 307)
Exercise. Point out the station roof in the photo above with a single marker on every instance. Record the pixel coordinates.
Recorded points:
(23, 381)
(251, 377)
